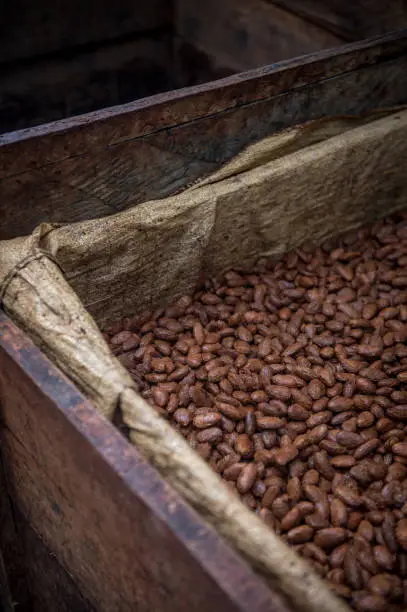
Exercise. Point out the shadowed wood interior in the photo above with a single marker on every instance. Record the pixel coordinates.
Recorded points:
(76, 57)
(244, 35)
(107, 161)
(350, 20)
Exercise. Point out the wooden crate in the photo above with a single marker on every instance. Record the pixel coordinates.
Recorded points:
(76, 57)
(86, 522)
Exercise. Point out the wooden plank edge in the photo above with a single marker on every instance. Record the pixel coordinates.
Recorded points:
(31, 148)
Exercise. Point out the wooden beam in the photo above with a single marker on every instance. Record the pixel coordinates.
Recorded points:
(106, 161)
(44, 27)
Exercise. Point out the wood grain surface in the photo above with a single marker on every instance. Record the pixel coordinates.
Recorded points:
(44, 27)
(58, 87)
(350, 20)
(246, 34)
(108, 160)
(13, 580)
(6, 602)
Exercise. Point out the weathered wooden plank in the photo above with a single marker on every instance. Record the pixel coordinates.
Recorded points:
(47, 586)
(45, 27)
(6, 602)
(27, 560)
(31, 148)
(128, 541)
(108, 161)
(54, 588)
(351, 20)
(13, 578)
(60, 87)
(245, 34)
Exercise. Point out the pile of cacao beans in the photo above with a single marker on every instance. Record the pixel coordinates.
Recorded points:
(291, 382)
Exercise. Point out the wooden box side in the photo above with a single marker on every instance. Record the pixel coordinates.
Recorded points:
(87, 79)
(76, 57)
(127, 540)
(350, 20)
(44, 28)
(245, 34)
(107, 161)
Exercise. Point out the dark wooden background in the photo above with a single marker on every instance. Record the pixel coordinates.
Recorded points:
(64, 58)
(102, 163)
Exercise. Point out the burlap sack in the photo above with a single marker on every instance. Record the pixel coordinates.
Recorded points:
(309, 182)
